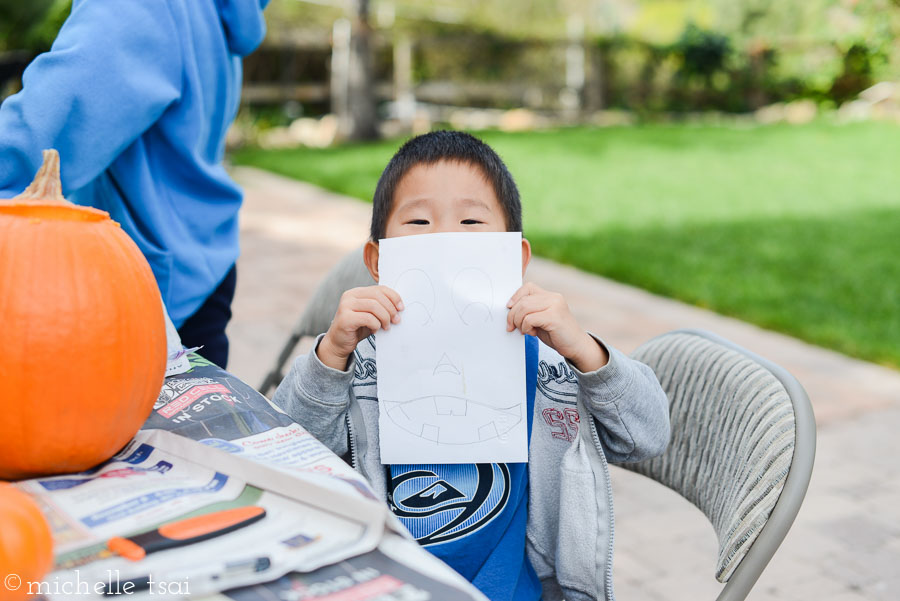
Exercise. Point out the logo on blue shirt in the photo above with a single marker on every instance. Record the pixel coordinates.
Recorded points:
(440, 503)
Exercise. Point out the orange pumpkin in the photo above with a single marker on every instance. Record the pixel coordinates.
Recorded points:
(82, 333)
(26, 545)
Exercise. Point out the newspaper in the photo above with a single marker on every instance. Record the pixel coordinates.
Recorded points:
(161, 477)
(227, 446)
(373, 575)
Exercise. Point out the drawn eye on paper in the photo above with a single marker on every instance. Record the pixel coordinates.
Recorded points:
(473, 296)
(419, 298)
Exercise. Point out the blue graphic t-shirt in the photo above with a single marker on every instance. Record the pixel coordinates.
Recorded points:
(473, 516)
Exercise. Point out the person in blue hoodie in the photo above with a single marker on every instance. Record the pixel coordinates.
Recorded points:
(137, 96)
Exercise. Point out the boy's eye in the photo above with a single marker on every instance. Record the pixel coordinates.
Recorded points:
(418, 222)
(470, 222)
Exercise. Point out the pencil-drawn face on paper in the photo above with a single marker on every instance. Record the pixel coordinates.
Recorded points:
(450, 377)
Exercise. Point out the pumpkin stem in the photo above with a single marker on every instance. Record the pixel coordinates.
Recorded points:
(47, 185)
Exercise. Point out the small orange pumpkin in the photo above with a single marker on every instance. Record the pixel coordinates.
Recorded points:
(82, 333)
(26, 544)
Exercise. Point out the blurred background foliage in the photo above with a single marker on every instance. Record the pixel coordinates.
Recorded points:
(31, 25)
(26, 29)
(654, 55)
(649, 55)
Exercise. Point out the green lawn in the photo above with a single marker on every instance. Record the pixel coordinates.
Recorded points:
(796, 229)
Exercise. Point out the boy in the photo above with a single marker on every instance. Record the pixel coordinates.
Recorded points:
(519, 532)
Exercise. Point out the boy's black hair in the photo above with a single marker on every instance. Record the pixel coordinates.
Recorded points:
(444, 145)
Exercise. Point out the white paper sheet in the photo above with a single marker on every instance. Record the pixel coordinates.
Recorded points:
(451, 379)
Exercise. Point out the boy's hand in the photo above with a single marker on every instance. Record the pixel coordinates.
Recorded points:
(546, 315)
(361, 312)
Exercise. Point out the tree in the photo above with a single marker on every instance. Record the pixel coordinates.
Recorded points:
(356, 110)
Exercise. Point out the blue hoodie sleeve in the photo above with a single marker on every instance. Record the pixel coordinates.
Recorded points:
(112, 71)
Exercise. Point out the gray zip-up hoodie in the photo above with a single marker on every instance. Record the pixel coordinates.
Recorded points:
(569, 536)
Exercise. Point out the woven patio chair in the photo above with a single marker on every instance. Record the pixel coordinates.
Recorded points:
(742, 447)
(743, 432)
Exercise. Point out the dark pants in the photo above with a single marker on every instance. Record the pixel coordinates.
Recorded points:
(206, 327)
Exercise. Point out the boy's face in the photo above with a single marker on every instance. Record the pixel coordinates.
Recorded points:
(444, 197)
(447, 196)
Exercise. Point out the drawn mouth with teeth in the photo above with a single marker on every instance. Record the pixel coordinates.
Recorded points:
(471, 421)
(465, 421)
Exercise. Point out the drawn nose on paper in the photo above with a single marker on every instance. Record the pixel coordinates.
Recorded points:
(445, 366)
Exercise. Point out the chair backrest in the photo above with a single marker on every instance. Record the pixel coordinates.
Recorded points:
(350, 272)
(742, 446)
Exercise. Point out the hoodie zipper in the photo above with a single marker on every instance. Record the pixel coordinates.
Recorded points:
(352, 436)
(357, 446)
(609, 504)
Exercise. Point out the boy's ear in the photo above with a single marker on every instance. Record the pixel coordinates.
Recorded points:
(370, 256)
(526, 254)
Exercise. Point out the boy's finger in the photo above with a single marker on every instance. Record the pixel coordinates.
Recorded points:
(393, 295)
(526, 327)
(511, 316)
(353, 320)
(517, 314)
(389, 297)
(367, 320)
(375, 308)
(533, 322)
(524, 290)
(388, 304)
(526, 305)
(515, 297)
(358, 320)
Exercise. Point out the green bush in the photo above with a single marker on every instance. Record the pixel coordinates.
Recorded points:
(703, 53)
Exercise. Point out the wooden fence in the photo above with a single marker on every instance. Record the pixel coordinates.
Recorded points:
(307, 70)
